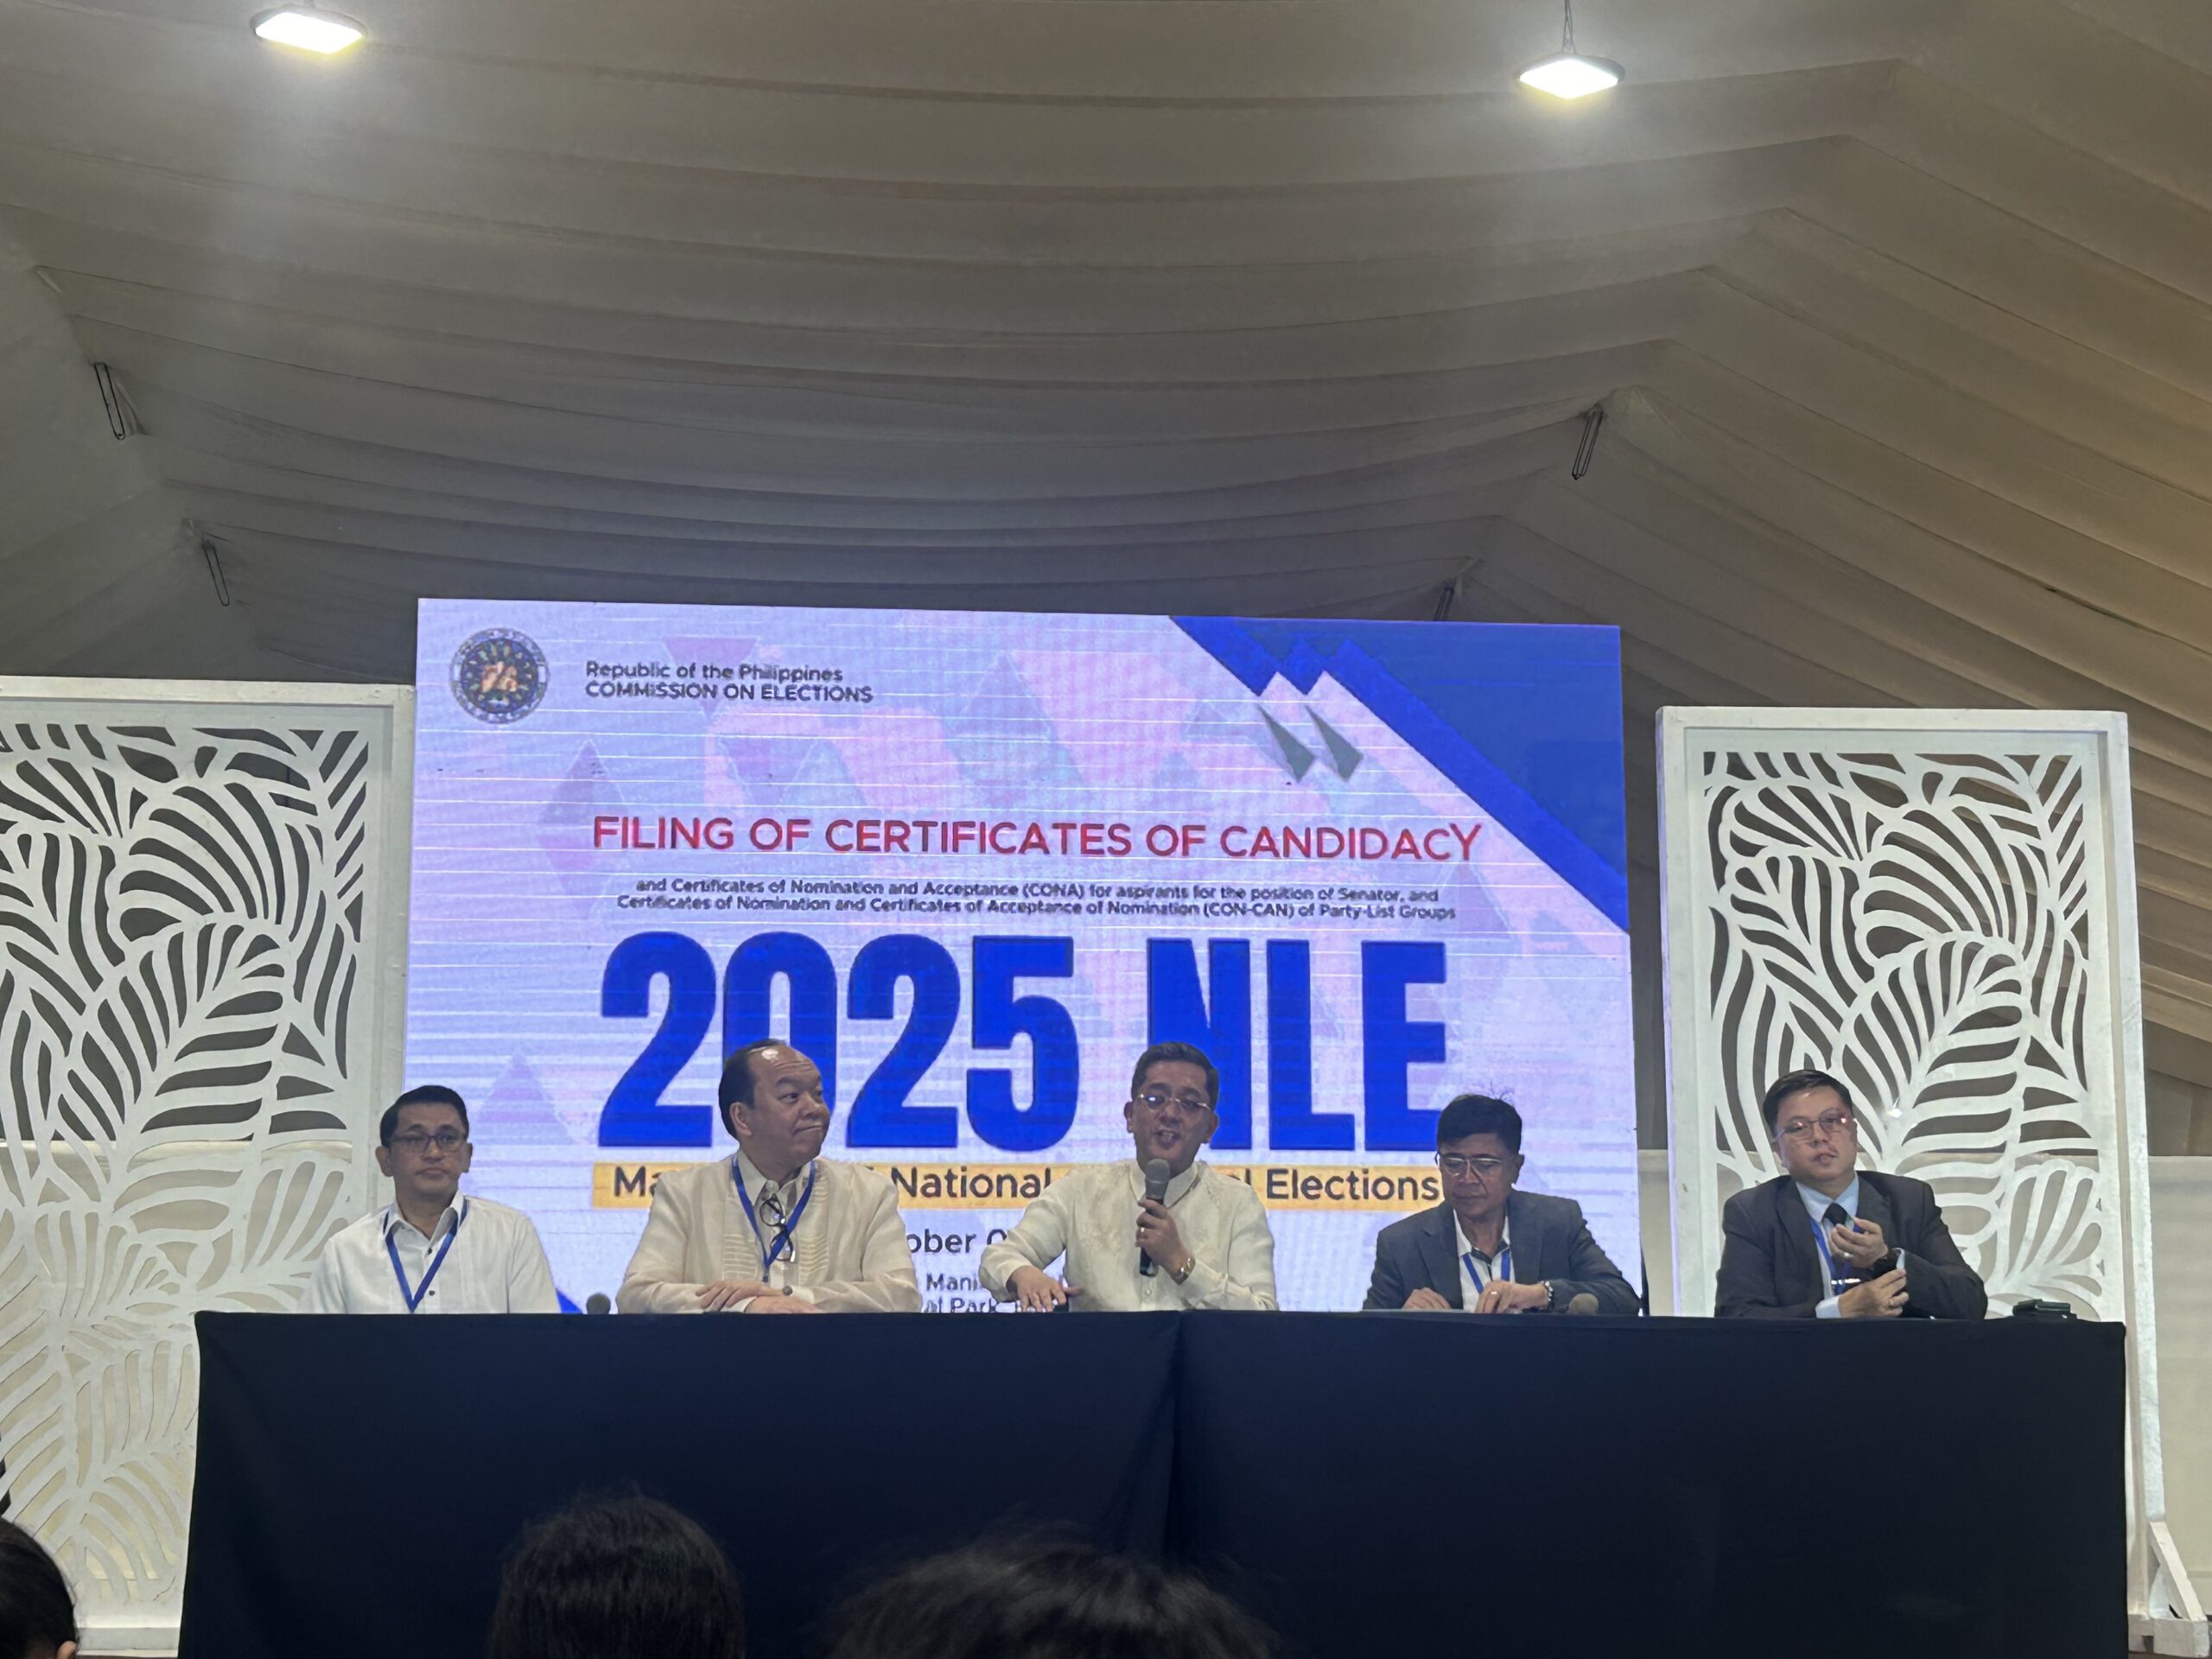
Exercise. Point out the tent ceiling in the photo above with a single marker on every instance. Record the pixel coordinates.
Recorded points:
(1899, 310)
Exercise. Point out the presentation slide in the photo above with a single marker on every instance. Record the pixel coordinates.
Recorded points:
(974, 863)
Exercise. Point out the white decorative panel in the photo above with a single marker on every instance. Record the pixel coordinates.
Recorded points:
(202, 934)
(1918, 925)
(1939, 908)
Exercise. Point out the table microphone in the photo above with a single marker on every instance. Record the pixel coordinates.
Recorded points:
(1155, 1188)
(1582, 1303)
(597, 1303)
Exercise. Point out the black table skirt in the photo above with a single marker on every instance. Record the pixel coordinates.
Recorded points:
(1370, 1485)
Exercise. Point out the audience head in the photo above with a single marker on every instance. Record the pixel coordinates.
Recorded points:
(1814, 1128)
(772, 1103)
(622, 1577)
(1173, 1094)
(36, 1619)
(424, 1149)
(1049, 1600)
(1478, 1152)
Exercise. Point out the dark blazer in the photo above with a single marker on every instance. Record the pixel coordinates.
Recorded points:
(1550, 1241)
(1770, 1269)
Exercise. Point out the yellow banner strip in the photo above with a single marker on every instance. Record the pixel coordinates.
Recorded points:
(1394, 1187)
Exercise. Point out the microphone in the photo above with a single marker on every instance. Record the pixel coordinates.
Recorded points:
(1584, 1303)
(1155, 1187)
(597, 1303)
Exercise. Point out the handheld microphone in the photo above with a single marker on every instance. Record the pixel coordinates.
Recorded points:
(1583, 1303)
(1155, 1188)
(597, 1303)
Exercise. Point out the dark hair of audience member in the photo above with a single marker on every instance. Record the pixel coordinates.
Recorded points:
(37, 1619)
(1044, 1599)
(618, 1578)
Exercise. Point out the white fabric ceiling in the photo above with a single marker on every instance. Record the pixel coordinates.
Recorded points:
(1900, 311)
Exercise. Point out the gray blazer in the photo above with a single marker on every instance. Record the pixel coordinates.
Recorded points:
(1550, 1242)
(1770, 1269)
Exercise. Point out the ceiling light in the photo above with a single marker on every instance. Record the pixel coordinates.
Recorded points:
(309, 27)
(1568, 73)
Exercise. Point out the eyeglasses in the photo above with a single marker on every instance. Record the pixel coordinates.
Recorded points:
(415, 1143)
(1158, 1099)
(1835, 1125)
(1456, 1166)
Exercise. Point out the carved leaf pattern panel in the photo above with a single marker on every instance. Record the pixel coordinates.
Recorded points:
(1918, 925)
(181, 991)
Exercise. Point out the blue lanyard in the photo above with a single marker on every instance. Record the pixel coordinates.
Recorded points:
(1501, 1267)
(414, 1298)
(784, 1233)
(1836, 1287)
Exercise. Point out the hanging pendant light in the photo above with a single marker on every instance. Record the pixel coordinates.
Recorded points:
(1569, 73)
(309, 28)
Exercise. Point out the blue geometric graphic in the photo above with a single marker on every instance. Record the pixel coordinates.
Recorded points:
(1503, 712)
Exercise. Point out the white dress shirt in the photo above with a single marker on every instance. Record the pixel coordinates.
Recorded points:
(848, 1251)
(1090, 1215)
(1476, 1269)
(494, 1264)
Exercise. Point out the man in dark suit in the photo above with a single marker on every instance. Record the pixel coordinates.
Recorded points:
(1829, 1239)
(1488, 1249)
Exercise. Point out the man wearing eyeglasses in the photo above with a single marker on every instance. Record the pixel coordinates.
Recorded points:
(1204, 1244)
(775, 1228)
(430, 1251)
(1827, 1240)
(1488, 1247)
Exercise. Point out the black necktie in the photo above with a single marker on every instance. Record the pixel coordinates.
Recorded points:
(1836, 1215)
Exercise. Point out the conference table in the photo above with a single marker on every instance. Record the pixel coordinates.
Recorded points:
(1370, 1485)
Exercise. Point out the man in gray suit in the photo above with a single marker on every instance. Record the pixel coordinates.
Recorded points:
(1488, 1249)
(1827, 1240)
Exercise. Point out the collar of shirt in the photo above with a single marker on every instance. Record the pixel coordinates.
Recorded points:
(754, 1181)
(1504, 1239)
(444, 1224)
(1178, 1186)
(1816, 1204)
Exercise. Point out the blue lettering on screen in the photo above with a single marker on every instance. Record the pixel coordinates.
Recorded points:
(1390, 1042)
(634, 1115)
(1293, 1124)
(1215, 1012)
(997, 1017)
(1217, 1019)
(881, 1116)
(748, 990)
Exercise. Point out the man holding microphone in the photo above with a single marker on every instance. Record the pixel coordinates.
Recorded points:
(1159, 1230)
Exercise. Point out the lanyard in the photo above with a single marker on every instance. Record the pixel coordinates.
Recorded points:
(782, 1233)
(1836, 1287)
(1501, 1267)
(414, 1298)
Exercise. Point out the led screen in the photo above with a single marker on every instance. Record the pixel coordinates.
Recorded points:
(973, 863)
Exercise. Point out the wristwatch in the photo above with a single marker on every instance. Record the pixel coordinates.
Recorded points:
(1550, 1295)
(1179, 1273)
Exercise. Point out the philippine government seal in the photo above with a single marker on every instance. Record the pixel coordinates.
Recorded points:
(499, 675)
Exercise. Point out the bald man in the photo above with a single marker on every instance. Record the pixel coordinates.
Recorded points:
(775, 1228)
